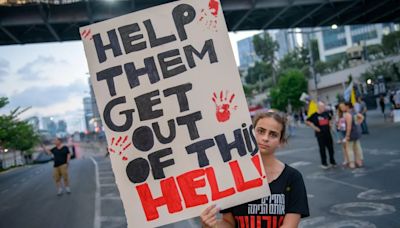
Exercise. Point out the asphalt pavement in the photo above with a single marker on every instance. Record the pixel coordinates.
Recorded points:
(338, 197)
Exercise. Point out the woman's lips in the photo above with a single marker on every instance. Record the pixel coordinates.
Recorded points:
(263, 146)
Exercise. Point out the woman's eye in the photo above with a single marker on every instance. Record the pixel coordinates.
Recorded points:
(273, 135)
(260, 131)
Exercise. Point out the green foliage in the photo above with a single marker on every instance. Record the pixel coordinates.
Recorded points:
(3, 101)
(388, 70)
(391, 42)
(289, 89)
(247, 90)
(296, 59)
(15, 134)
(265, 47)
(23, 136)
(375, 51)
(259, 72)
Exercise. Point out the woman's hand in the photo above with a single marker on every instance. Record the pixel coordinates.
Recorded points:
(209, 216)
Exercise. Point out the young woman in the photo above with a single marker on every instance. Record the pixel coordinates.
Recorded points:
(288, 192)
(353, 134)
(341, 128)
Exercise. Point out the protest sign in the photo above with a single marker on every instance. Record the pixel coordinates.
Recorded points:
(175, 116)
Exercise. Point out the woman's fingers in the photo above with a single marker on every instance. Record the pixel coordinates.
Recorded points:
(208, 216)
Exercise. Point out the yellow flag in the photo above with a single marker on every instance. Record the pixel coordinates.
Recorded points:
(353, 97)
(312, 108)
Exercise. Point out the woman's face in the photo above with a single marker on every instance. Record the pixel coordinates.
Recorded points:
(268, 135)
(342, 107)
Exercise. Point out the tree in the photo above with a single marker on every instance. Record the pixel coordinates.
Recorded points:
(289, 89)
(14, 133)
(375, 51)
(391, 42)
(296, 59)
(259, 72)
(386, 69)
(265, 47)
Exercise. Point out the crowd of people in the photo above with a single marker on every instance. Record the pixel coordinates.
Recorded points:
(346, 123)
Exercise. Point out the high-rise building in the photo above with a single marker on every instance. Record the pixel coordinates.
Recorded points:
(333, 43)
(88, 113)
(247, 55)
(49, 125)
(61, 126)
(96, 120)
(287, 42)
(34, 122)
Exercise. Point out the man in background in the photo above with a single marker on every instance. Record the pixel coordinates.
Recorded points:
(361, 108)
(61, 157)
(320, 122)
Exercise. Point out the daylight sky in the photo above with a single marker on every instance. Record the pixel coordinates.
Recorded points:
(52, 79)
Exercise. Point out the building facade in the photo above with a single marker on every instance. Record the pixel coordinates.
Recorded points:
(247, 55)
(333, 43)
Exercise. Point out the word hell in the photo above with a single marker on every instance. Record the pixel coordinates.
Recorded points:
(186, 184)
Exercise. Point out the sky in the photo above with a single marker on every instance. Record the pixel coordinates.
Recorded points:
(52, 79)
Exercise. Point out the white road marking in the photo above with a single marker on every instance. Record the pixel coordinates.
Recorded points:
(110, 198)
(107, 185)
(112, 219)
(299, 163)
(97, 203)
(348, 223)
(286, 152)
(106, 173)
(106, 178)
(374, 194)
(321, 176)
(368, 209)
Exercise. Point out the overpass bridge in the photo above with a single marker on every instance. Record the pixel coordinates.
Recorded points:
(34, 21)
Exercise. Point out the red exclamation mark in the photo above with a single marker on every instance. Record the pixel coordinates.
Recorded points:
(257, 163)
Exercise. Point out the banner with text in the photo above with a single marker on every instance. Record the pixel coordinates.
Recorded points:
(176, 119)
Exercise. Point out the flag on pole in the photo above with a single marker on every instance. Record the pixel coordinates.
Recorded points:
(353, 96)
(312, 108)
(350, 94)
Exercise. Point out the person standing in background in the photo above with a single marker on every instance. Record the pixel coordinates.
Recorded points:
(61, 157)
(320, 122)
(361, 108)
(382, 105)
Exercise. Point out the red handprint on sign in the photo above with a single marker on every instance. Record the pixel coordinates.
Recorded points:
(119, 146)
(209, 17)
(213, 6)
(223, 105)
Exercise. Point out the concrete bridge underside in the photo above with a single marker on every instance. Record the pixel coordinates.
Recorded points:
(34, 21)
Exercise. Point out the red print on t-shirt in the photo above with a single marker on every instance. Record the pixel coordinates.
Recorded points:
(323, 121)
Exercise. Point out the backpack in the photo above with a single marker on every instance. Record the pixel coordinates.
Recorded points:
(356, 130)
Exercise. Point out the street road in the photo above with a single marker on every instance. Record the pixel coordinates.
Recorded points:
(367, 197)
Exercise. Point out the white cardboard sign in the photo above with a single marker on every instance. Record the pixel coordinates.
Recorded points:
(176, 119)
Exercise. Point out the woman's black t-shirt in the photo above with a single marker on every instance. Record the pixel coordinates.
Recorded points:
(288, 195)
